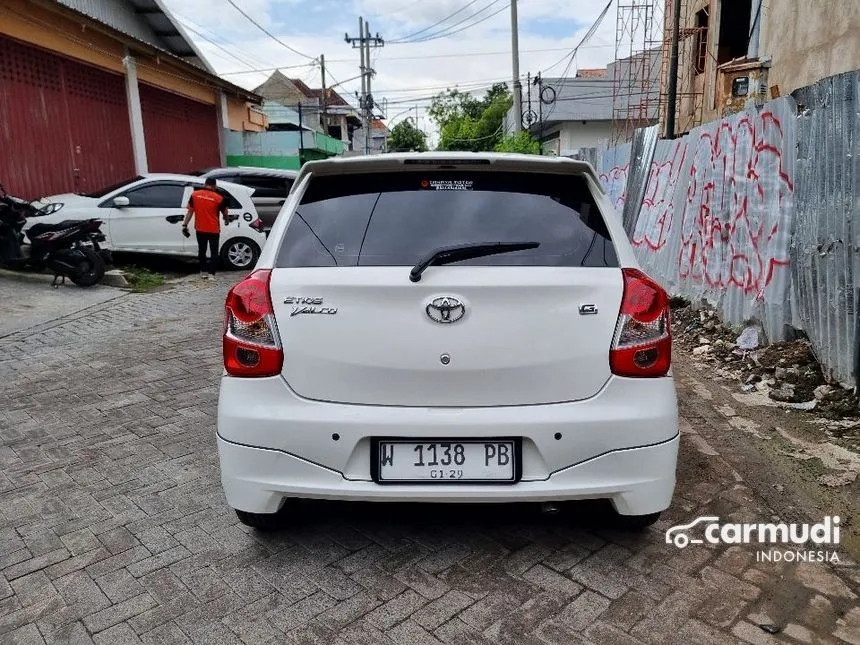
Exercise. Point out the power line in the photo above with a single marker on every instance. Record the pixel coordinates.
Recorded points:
(386, 59)
(587, 35)
(446, 34)
(196, 28)
(267, 32)
(219, 46)
(439, 22)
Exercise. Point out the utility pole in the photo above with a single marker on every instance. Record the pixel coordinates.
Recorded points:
(673, 72)
(515, 54)
(538, 80)
(365, 102)
(301, 137)
(323, 106)
(368, 98)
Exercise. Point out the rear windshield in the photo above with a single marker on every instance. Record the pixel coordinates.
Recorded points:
(393, 219)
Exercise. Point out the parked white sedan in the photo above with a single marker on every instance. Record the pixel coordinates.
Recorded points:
(144, 215)
(448, 327)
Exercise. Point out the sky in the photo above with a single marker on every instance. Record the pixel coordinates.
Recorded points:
(407, 73)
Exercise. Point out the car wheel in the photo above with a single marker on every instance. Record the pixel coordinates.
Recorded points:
(261, 521)
(240, 253)
(635, 522)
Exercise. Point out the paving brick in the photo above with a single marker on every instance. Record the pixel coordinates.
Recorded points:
(397, 609)
(112, 516)
(380, 583)
(35, 564)
(118, 613)
(159, 561)
(348, 610)
(549, 580)
(410, 633)
(77, 562)
(626, 611)
(168, 634)
(80, 541)
(457, 632)
(584, 610)
(604, 634)
(721, 580)
(442, 609)
(120, 634)
(163, 613)
(32, 587)
(427, 585)
(70, 634)
(119, 585)
(119, 561)
(362, 633)
(26, 635)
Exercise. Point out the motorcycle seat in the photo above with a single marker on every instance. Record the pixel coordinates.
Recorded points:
(39, 229)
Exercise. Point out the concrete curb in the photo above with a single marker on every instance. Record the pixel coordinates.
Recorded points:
(113, 278)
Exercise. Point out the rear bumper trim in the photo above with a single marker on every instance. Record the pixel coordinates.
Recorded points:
(637, 481)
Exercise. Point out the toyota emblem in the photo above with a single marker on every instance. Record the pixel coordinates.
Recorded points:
(446, 309)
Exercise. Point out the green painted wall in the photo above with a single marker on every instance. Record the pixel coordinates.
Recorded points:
(279, 162)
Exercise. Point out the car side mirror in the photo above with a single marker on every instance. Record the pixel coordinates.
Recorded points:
(121, 202)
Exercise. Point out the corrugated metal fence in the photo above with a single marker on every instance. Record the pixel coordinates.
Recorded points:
(825, 250)
(753, 214)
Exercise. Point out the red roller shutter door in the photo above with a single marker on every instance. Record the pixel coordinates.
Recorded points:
(63, 125)
(181, 134)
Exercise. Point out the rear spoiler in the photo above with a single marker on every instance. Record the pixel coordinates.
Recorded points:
(410, 162)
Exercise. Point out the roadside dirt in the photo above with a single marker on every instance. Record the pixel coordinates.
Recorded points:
(793, 437)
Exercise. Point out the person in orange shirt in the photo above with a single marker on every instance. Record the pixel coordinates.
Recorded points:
(205, 204)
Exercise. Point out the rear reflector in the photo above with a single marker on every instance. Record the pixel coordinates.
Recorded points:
(642, 346)
(251, 344)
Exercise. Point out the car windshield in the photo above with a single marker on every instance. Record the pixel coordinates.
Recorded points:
(109, 189)
(395, 219)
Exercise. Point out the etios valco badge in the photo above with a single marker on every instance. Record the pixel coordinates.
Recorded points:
(445, 309)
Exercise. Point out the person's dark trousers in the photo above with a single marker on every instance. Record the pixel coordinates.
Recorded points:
(210, 240)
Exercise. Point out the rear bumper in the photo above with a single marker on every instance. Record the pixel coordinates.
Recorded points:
(621, 444)
(637, 481)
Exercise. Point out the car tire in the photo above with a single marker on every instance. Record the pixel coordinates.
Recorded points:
(240, 253)
(635, 522)
(265, 522)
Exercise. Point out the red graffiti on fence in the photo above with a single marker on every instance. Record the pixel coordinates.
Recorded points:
(615, 179)
(733, 231)
(658, 205)
(734, 207)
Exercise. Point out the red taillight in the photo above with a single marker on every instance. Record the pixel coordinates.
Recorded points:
(642, 346)
(251, 344)
(257, 225)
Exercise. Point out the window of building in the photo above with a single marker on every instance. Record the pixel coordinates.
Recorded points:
(701, 51)
(734, 37)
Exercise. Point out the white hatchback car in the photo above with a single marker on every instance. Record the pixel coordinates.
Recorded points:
(447, 327)
(144, 215)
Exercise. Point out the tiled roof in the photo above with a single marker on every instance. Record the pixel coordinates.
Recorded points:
(594, 72)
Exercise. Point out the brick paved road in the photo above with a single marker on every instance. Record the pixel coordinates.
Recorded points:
(114, 530)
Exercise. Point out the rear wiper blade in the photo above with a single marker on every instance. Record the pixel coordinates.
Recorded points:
(456, 253)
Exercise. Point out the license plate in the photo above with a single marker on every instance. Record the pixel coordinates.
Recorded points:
(446, 461)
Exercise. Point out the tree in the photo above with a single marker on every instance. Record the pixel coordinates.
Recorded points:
(468, 123)
(405, 137)
(523, 142)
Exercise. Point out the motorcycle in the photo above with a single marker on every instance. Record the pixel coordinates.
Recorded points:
(69, 249)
